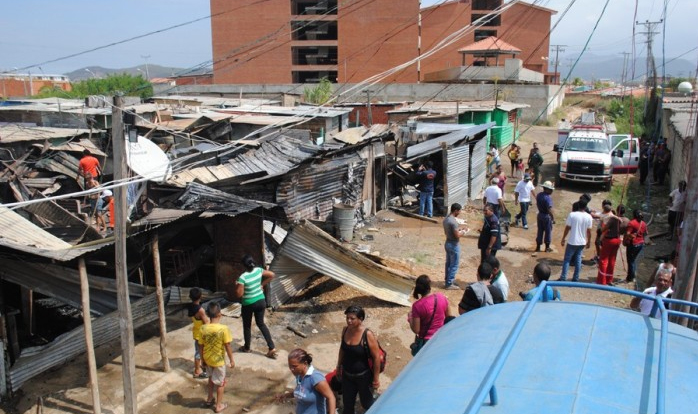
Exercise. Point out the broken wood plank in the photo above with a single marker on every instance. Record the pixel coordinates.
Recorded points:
(408, 214)
(296, 331)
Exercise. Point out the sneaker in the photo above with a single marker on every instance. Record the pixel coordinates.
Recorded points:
(537, 249)
(452, 286)
(561, 280)
(525, 226)
(548, 250)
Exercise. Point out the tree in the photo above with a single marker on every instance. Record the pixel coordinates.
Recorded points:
(578, 82)
(118, 83)
(319, 94)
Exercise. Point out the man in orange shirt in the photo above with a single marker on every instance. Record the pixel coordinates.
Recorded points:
(89, 164)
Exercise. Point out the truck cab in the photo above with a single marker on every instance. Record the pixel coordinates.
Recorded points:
(585, 156)
(626, 153)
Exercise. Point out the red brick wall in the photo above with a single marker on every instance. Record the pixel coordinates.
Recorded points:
(239, 55)
(375, 36)
(194, 80)
(15, 87)
(522, 26)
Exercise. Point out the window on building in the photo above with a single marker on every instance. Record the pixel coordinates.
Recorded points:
(486, 4)
(489, 21)
(313, 7)
(314, 76)
(314, 55)
(308, 30)
(483, 34)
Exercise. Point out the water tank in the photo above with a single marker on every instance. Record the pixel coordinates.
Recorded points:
(570, 358)
(685, 87)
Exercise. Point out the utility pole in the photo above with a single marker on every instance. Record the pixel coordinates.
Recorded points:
(128, 367)
(624, 73)
(147, 74)
(650, 70)
(368, 108)
(557, 49)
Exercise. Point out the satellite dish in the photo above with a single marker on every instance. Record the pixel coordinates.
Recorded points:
(146, 159)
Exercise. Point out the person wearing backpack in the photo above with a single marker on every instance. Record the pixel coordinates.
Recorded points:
(359, 345)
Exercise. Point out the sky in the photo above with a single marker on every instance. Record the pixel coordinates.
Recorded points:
(38, 31)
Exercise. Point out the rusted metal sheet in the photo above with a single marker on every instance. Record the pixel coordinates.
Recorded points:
(50, 210)
(456, 175)
(308, 250)
(63, 283)
(478, 168)
(37, 360)
(312, 190)
(162, 216)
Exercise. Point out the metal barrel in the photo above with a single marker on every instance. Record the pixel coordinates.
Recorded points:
(344, 221)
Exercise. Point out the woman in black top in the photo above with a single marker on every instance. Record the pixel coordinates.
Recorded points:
(352, 364)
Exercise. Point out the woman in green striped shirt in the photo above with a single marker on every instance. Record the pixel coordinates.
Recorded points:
(250, 287)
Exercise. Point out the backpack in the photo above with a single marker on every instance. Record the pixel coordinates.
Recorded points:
(383, 354)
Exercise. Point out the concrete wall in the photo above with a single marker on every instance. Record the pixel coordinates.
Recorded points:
(511, 71)
(538, 96)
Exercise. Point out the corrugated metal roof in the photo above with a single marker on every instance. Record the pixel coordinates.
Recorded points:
(434, 144)
(16, 133)
(71, 344)
(307, 250)
(457, 179)
(63, 283)
(453, 108)
(302, 110)
(76, 146)
(359, 134)
(273, 157)
(160, 216)
(20, 234)
(198, 197)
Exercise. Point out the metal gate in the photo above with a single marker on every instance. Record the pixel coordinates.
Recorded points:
(456, 175)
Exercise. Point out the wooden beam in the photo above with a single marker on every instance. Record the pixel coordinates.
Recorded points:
(89, 343)
(128, 368)
(161, 302)
(417, 216)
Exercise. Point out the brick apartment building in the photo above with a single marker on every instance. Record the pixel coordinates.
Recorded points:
(301, 41)
(26, 85)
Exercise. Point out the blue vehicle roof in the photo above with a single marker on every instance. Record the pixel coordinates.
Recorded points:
(569, 358)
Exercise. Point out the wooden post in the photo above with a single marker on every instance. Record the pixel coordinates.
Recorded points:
(27, 298)
(161, 303)
(3, 374)
(123, 301)
(89, 345)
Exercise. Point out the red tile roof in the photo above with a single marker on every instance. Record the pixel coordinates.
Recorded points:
(490, 44)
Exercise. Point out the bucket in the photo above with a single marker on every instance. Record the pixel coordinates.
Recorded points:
(343, 221)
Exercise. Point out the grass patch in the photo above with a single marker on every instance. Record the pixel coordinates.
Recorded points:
(422, 258)
(633, 195)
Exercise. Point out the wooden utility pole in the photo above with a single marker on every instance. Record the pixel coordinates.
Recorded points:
(161, 302)
(557, 49)
(368, 108)
(89, 344)
(123, 301)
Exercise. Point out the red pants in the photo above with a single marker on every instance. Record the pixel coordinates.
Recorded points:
(607, 260)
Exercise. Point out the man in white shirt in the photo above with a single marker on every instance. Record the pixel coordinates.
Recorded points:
(662, 289)
(499, 279)
(493, 196)
(578, 226)
(523, 194)
(676, 208)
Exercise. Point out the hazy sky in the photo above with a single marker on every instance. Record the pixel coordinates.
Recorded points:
(36, 31)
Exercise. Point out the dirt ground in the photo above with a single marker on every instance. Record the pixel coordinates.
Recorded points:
(413, 245)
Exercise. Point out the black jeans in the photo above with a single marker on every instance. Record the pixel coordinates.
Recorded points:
(256, 309)
(357, 384)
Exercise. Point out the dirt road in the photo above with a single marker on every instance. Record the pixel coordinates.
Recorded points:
(415, 246)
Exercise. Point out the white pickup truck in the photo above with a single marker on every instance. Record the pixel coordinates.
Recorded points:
(586, 153)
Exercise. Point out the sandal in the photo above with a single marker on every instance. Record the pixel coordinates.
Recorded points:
(223, 407)
(243, 349)
(272, 354)
(202, 375)
(210, 404)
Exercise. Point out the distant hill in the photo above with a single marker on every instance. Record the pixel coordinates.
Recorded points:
(154, 71)
(611, 67)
